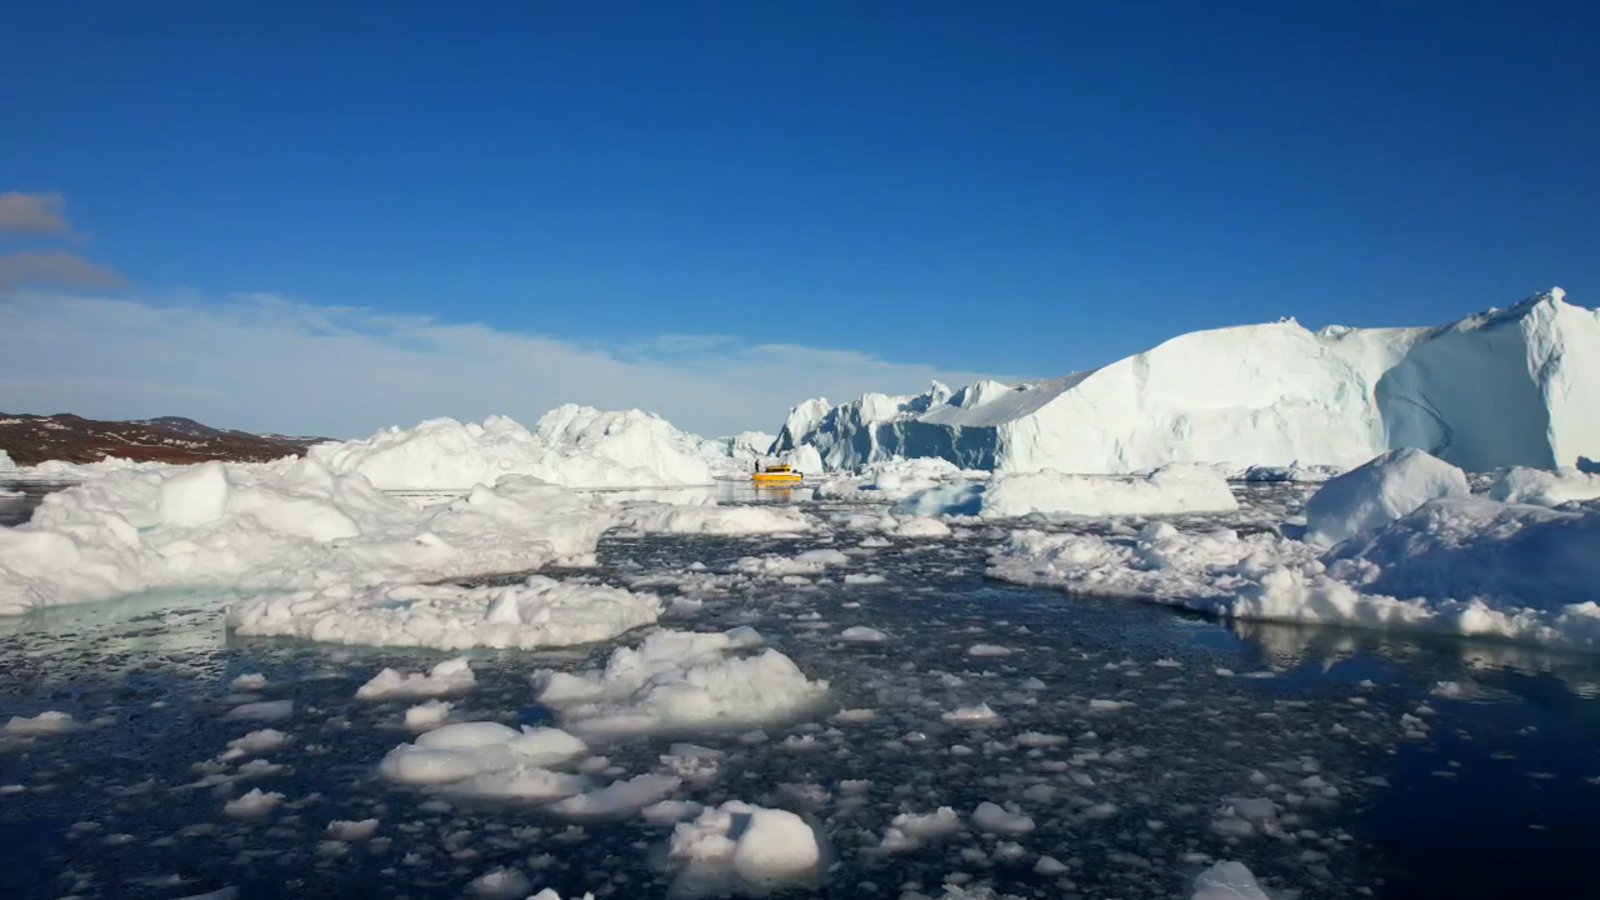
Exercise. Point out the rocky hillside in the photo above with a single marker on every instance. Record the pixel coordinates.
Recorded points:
(30, 440)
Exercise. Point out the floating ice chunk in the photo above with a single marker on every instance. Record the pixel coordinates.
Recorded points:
(727, 520)
(343, 830)
(253, 805)
(1099, 705)
(550, 894)
(678, 680)
(994, 818)
(1177, 488)
(909, 831)
(263, 741)
(1543, 488)
(669, 812)
(744, 850)
(223, 893)
(48, 722)
(501, 755)
(1049, 865)
(541, 612)
(861, 634)
(1390, 486)
(262, 711)
(988, 650)
(864, 578)
(500, 884)
(619, 798)
(453, 676)
(972, 715)
(811, 562)
(428, 715)
(252, 682)
(921, 527)
(1227, 881)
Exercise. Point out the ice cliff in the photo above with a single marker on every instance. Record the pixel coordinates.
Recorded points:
(1519, 386)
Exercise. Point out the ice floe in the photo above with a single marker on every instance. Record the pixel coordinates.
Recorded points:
(1460, 564)
(539, 612)
(1169, 490)
(682, 681)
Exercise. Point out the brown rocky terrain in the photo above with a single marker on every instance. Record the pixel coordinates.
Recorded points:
(30, 440)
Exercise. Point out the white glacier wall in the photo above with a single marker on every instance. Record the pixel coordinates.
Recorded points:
(1507, 387)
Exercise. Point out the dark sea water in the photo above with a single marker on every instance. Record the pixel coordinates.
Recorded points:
(1395, 766)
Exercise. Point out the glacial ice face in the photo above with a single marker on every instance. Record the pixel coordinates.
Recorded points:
(1501, 388)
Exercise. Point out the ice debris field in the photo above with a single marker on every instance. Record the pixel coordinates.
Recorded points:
(585, 658)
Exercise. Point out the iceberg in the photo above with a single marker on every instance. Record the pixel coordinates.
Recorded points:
(1512, 387)
(575, 446)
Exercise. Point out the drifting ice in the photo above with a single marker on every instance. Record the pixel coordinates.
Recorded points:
(1458, 564)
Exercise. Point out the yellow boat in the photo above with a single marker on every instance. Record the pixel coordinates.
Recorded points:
(782, 473)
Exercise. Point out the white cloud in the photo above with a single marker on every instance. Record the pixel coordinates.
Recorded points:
(264, 363)
(32, 213)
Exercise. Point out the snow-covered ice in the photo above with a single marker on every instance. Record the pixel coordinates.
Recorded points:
(1458, 564)
(260, 528)
(1378, 492)
(1542, 488)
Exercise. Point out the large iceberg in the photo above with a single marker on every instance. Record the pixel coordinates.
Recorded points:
(576, 446)
(1505, 387)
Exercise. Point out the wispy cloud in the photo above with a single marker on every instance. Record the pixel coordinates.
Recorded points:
(56, 267)
(267, 363)
(22, 213)
(40, 216)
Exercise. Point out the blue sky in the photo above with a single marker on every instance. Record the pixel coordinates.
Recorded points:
(1020, 189)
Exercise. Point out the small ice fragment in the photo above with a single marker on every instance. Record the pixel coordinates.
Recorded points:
(988, 650)
(342, 830)
(995, 818)
(1227, 881)
(264, 711)
(972, 715)
(453, 676)
(253, 805)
